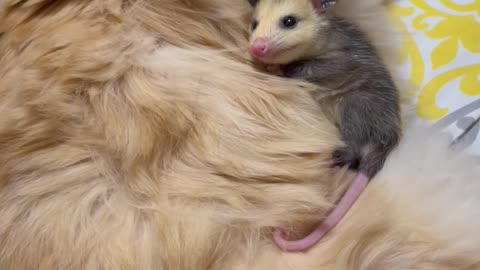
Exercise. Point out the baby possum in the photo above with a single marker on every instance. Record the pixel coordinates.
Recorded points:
(302, 40)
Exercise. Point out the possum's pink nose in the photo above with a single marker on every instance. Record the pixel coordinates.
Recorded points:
(259, 47)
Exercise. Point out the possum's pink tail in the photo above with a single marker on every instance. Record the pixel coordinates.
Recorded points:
(345, 203)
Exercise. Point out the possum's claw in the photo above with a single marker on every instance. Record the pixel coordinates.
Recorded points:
(346, 156)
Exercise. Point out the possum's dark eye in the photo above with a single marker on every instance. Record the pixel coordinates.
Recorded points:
(254, 25)
(289, 22)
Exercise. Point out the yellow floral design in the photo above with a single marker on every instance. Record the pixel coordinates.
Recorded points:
(474, 7)
(469, 85)
(456, 33)
(410, 50)
(452, 30)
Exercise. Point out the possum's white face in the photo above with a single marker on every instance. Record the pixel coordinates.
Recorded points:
(284, 30)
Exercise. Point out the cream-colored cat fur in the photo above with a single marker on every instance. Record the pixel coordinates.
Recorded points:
(137, 135)
(421, 212)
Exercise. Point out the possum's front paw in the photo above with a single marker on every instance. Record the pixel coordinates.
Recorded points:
(274, 69)
(346, 157)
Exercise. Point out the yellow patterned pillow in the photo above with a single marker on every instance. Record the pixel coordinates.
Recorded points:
(442, 57)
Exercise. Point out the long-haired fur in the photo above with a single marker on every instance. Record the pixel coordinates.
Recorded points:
(420, 212)
(138, 135)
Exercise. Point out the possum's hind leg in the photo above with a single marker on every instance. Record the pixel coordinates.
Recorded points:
(370, 126)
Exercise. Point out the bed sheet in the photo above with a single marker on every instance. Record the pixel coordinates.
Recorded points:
(441, 45)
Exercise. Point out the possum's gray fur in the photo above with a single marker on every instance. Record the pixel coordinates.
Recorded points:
(367, 108)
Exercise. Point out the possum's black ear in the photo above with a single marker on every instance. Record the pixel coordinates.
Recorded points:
(253, 3)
